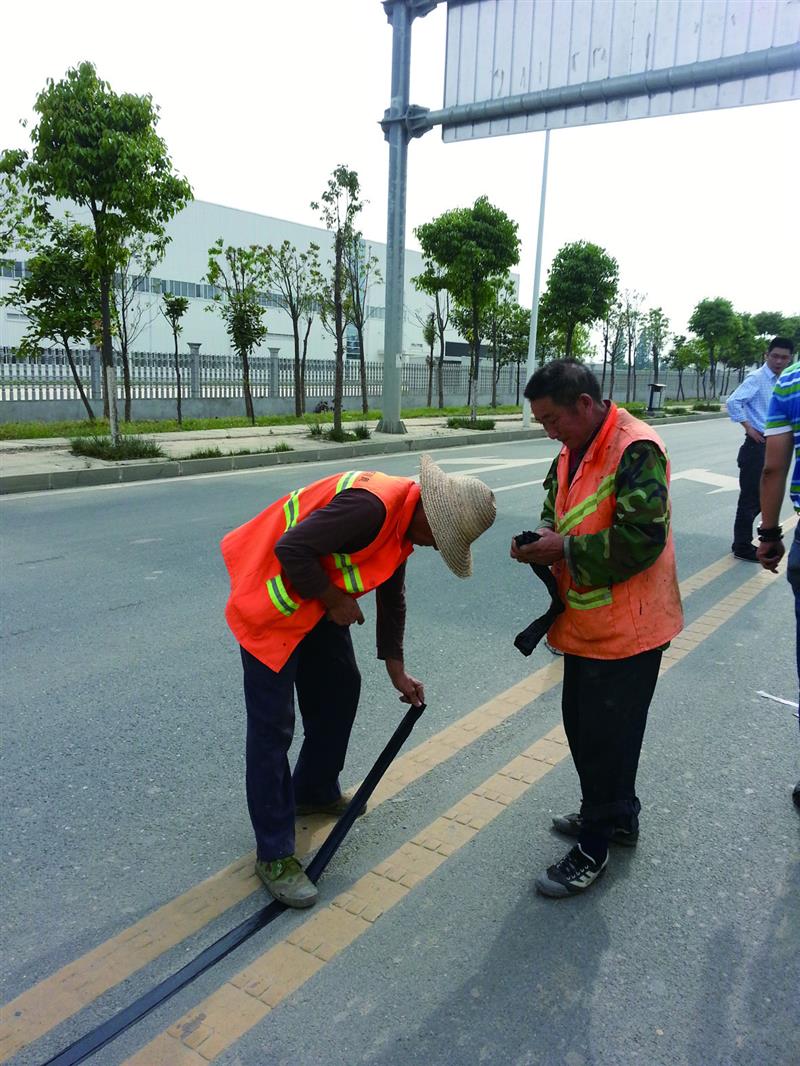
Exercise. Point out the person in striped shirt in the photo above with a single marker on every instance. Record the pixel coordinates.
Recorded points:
(748, 405)
(782, 433)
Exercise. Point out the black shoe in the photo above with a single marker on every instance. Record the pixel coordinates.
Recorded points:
(573, 874)
(571, 824)
(745, 552)
(796, 794)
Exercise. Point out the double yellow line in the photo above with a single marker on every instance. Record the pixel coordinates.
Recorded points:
(205, 1032)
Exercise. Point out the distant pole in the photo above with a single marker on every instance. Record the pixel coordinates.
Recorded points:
(537, 276)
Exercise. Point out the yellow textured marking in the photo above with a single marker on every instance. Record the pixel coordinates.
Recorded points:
(45, 1005)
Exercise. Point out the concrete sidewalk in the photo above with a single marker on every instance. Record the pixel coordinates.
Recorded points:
(47, 463)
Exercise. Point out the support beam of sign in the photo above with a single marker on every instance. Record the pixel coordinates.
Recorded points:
(768, 61)
(395, 125)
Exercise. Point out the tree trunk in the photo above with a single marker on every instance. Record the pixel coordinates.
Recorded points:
(611, 378)
(303, 368)
(633, 392)
(712, 365)
(681, 395)
(568, 346)
(338, 313)
(476, 341)
(362, 367)
(628, 379)
(440, 370)
(494, 366)
(298, 400)
(126, 382)
(78, 382)
(430, 376)
(248, 396)
(178, 379)
(110, 398)
(519, 368)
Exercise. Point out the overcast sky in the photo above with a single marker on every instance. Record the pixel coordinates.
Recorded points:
(260, 99)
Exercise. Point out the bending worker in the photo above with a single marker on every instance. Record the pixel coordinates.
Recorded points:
(605, 530)
(297, 571)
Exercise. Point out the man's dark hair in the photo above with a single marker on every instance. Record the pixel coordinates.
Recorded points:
(782, 342)
(563, 380)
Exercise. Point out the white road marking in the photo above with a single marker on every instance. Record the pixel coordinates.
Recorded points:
(724, 482)
(777, 699)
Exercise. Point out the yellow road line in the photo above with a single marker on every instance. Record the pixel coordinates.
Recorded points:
(209, 1029)
(72, 988)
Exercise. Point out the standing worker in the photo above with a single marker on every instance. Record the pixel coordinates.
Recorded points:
(297, 571)
(605, 530)
(783, 443)
(747, 405)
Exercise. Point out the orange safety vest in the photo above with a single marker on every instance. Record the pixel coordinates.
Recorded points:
(265, 613)
(611, 621)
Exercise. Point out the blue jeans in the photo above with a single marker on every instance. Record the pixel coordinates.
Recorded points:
(322, 669)
(793, 576)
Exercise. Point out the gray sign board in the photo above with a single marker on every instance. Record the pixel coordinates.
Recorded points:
(544, 64)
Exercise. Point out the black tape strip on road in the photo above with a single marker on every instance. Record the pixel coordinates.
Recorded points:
(87, 1045)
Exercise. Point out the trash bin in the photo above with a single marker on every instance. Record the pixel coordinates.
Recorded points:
(654, 406)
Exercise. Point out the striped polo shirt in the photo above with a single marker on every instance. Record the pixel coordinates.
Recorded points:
(783, 416)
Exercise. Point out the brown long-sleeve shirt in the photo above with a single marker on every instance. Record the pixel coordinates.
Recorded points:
(351, 521)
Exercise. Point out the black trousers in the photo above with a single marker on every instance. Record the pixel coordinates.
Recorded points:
(605, 703)
(751, 463)
(323, 671)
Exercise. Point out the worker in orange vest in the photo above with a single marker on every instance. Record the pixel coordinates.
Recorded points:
(297, 571)
(605, 531)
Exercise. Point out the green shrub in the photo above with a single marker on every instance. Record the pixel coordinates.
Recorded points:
(128, 448)
(283, 447)
(205, 453)
(706, 407)
(362, 432)
(338, 436)
(315, 429)
(634, 408)
(677, 410)
(467, 423)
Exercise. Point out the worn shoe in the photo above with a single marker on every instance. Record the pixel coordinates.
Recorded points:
(286, 881)
(571, 824)
(573, 874)
(796, 794)
(335, 809)
(746, 552)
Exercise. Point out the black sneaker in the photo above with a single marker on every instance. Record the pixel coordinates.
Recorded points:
(796, 794)
(571, 824)
(746, 552)
(573, 874)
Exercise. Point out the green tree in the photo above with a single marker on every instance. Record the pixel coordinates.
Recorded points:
(656, 330)
(129, 314)
(498, 315)
(430, 282)
(339, 207)
(581, 286)
(59, 294)
(514, 336)
(713, 320)
(362, 269)
(16, 230)
(631, 326)
(613, 345)
(429, 337)
(740, 349)
(296, 275)
(471, 247)
(768, 324)
(101, 150)
(174, 308)
(240, 275)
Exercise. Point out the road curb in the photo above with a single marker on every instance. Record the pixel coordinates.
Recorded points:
(160, 469)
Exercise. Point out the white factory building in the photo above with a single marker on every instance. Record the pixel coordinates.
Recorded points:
(182, 271)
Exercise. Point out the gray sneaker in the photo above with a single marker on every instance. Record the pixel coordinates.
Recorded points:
(286, 881)
(570, 826)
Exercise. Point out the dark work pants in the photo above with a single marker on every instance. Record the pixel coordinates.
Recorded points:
(605, 703)
(323, 670)
(793, 575)
(751, 463)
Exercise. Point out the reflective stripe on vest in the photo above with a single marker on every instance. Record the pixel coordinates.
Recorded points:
(587, 506)
(350, 573)
(281, 599)
(291, 509)
(346, 480)
(585, 601)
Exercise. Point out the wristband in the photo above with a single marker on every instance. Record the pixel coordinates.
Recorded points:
(769, 535)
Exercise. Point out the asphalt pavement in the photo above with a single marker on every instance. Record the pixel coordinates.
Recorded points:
(126, 843)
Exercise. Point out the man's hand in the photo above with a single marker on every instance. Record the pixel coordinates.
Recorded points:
(548, 549)
(342, 608)
(411, 690)
(769, 553)
(752, 432)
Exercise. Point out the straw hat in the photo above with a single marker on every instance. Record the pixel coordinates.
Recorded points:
(459, 509)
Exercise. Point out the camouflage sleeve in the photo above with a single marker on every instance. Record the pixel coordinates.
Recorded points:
(548, 515)
(639, 530)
